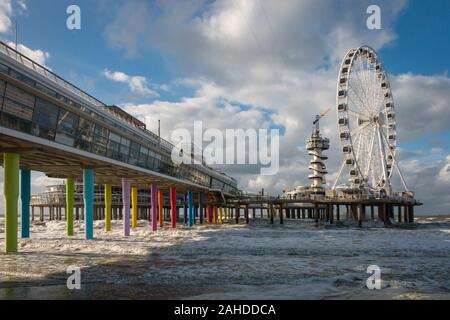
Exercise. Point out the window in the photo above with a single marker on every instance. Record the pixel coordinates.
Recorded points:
(44, 119)
(83, 139)
(100, 140)
(66, 128)
(124, 149)
(134, 153)
(143, 154)
(3, 68)
(114, 146)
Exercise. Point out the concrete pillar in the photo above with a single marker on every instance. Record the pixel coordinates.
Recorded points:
(25, 197)
(281, 213)
(316, 213)
(359, 213)
(338, 213)
(246, 215)
(88, 192)
(126, 206)
(411, 214)
(399, 210)
(70, 201)
(11, 196)
(405, 214)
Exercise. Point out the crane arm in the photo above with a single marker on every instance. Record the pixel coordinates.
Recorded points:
(321, 116)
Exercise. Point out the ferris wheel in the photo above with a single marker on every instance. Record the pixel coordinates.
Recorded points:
(366, 121)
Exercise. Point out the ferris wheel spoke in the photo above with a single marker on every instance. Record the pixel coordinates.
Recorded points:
(371, 151)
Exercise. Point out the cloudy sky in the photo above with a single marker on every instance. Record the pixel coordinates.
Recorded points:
(253, 64)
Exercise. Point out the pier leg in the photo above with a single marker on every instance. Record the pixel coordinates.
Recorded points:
(399, 208)
(331, 213)
(11, 196)
(372, 213)
(359, 212)
(200, 207)
(271, 213)
(405, 214)
(191, 208)
(338, 213)
(134, 206)
(411, 214)
(246, 214)
(126, 206)
(108, 201)
(154, 200)
(173, 207)
(25, 196)
(220, 215)
(88, 180)
(70, 201)
(215, 215)
(281, 213)
(316, 214)
(160, 209)
(185, 209)
(237, 214)
(209, 214)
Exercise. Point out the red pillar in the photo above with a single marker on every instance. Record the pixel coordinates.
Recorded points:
(173, 207)
(208, 214)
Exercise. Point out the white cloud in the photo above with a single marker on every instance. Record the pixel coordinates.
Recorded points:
(136, 84)
(37, 55)
(5, 13)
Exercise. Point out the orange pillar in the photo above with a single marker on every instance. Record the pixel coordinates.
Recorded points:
(215, 215)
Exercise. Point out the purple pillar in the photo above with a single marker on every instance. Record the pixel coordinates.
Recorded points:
(126, 206)
(154, 195)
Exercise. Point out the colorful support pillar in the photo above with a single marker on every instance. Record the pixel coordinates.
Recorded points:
(173, 207)
(108, 201)
(215, 215)
(200, 207)
(209, 214)
(126, 206)
(185, 209)
(154, 197)
(70, 201)
(134, 206)
(191, 208)
(160, 209)
(88, 180)
(25, 196)
(220, 215)
(11, 193)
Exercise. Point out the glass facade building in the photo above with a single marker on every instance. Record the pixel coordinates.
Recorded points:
(35, 101)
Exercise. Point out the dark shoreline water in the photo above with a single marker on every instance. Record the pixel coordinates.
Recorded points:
(291, 261)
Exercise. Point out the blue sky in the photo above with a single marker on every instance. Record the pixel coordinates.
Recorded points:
(252, 63)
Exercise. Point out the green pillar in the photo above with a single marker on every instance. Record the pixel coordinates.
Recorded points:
(70, 200)
(11, 194)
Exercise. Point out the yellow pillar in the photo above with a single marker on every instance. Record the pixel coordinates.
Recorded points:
(108, 199)
(134, 205)
(221, 215)
(226, 214)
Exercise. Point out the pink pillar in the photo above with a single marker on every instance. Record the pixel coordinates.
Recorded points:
(126, 206)
(154, 195)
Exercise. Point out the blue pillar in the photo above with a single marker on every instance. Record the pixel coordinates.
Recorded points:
(191, 208)
(25, 195)
(200, 207)
(88, 180)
